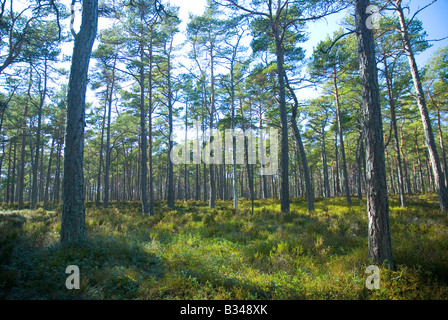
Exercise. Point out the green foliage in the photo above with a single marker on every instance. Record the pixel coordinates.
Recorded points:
(202, 253)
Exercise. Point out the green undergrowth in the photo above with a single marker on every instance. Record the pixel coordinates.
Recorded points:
(195, 252)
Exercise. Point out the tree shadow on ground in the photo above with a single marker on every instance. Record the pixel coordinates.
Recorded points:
(110, 268)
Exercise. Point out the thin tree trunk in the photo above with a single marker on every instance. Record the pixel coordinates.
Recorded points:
(2, 157)
(341, 140)
(359, 166)
(151, 173)
(100, 166)
(263, 193)
(34, 190)
(143, 139)
(325, 165)
(284, 157)
(198, 168)
(30, 172)
(109, 93)
(125, 171)
(107, 190)
(186, 145)
(248, 163)
(428, 173)
(21, 180)
(401, 195)
(212, 114)
(442, 146)
(57, 178)
(150, 102)
(13, 186)
(405, 163)
(336, 157)
(9, 184)
(41, 174)
(439, 179)
(303, 157)
(420, 167)
(234, 173)
(170, 190)
(47, 180)
(414, 178)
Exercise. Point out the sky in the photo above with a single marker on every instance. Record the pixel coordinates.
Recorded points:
(434, 19)
(435, 23)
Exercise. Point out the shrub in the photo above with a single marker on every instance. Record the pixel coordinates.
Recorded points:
(200, 253)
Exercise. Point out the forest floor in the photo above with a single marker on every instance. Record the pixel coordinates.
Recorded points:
(201, 253)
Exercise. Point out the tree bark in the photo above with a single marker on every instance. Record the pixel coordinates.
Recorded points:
(249, 166)
(405, 162)
(324, 163)
(359, 149)
(306, 170)
(284, 156)
(198, 169)
(442, 191)
(47, 180)
(57, 176)
(393, 119)
(170, 190)
(234, 173)
(109, 98)
(73, 226)
(21, 173)
(337, 182)
(420, 166)
(100, 165)
(34, 190)
(106, 192)
(341, 140)
(379, 239)
(9, 184)
(442, 146)
(186, 175)
(263, 182)
(143, 138)
(212, 198)
(151, 173)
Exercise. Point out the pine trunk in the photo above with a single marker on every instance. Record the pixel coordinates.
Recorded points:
(100, 166)
(73, 226)
(401, 192)
(379, 240)
(284, 145)
(439, 178)
(171, 193)
(341, 140)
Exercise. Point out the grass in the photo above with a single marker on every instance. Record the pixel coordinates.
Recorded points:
(201, 253)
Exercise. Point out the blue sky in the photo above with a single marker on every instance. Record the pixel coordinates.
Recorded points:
(435, 22)
(434, 18)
